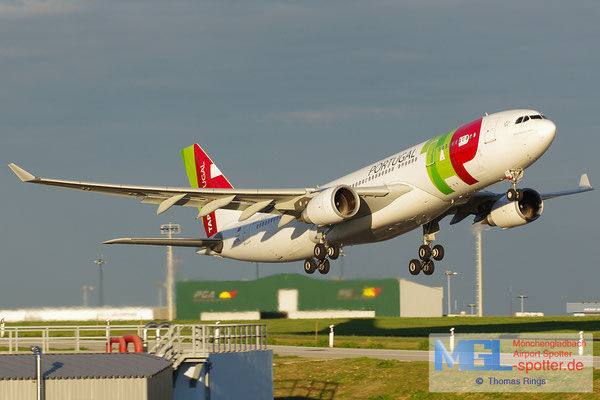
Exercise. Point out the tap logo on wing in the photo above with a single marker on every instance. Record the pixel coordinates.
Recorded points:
(447, 155)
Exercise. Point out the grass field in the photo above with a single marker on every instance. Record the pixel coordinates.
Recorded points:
(370, 379)
(412, 333)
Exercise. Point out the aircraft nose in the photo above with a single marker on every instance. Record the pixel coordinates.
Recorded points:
(546, 131)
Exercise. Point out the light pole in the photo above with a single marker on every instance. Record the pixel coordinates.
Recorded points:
(510, 313)
(479, 269)
(522, 299)
(449, 274)
(85, 289)
(343, 256)
(170, 229)
(100, 263)
(160, 285)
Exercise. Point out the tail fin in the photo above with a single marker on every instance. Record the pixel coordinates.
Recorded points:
(204, 173)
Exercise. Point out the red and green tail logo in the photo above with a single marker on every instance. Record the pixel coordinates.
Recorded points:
(203, 173)
(447, 155)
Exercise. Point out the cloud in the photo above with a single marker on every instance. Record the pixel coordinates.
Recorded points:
(334, 114)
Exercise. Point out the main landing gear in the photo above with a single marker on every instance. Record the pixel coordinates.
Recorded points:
(514, 176)
(320, 262)
(426, 252)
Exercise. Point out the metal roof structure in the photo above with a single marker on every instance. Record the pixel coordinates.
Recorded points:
(82, 366)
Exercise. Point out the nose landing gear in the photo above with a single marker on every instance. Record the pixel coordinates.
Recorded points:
(514, 176)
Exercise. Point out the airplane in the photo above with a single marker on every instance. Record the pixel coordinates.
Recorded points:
(417, 187)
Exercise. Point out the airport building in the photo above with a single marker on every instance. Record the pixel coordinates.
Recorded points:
(584, 308)
(299, 296)
(87, 376)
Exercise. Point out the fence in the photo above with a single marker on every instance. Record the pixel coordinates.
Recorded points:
(176, 342)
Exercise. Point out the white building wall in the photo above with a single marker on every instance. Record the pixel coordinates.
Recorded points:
(78, 314)
(419, 300)
(158, 387)
(287, 300)
(18, 389)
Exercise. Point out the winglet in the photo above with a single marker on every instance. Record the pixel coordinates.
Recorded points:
(584, 182)
(23, 175)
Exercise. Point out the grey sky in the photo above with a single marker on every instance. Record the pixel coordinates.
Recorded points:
(283, 94)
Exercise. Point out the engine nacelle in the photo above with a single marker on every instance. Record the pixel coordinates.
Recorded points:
(508, 214)
(331, 206)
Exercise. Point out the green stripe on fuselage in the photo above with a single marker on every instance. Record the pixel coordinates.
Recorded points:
(442, 168)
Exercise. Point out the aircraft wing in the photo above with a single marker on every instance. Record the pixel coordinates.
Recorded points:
(584, 186)
(288, 202)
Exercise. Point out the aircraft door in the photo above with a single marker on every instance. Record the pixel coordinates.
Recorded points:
(490, 130)
(431, 153)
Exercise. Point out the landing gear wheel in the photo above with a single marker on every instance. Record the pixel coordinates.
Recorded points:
(437, 252)
(511, 194)
(323, 266)
(424, 252)
(320, 251)
(414, 267)
(428, 267)
(333, 252)
(519, 195)
(310, 266)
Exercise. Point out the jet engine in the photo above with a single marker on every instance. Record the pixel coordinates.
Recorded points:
(331, 206)
(508, 214)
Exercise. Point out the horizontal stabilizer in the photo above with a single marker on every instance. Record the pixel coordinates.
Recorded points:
(214, 244)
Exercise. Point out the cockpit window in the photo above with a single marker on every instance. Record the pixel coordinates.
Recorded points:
(528, 117)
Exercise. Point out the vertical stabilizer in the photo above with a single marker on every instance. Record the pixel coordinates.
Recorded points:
(203, 173)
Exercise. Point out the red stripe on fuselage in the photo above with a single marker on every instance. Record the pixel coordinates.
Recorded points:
(463, 149)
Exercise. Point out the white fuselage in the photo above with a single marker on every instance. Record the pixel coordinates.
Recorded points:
(485, 148)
